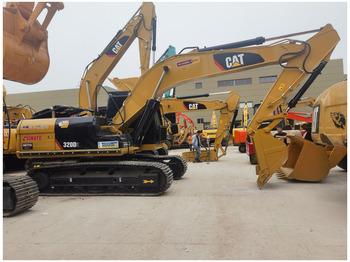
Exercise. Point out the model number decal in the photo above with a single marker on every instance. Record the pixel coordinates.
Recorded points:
(70, 144)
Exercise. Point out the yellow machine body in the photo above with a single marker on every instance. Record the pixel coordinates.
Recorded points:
(36, 135)
(37, 138)
(330, 115)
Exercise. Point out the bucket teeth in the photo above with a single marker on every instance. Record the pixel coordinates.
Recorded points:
(280, 174)
(264, 176)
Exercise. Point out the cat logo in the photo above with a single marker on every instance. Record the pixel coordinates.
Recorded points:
(235, 60)
(117, 47)
(114, 49)
(193, 106)
(338, 119)
(227, 61)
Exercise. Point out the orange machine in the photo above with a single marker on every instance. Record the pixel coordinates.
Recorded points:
(25, 51)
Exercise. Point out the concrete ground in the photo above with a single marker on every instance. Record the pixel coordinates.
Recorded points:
(215, 212)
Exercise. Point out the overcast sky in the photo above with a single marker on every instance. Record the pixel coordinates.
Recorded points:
(79, 32)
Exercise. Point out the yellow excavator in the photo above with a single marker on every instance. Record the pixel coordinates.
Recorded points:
(99, 153)
(208, 134)
(227, 109)
(228, 113)
(25, 60)
(136, 174)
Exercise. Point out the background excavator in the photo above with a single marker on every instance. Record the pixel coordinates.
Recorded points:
(208, 134)
(25, 60)
(228, 113)
(180, 126)
(227, 109)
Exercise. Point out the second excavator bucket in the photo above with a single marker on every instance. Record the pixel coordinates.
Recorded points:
(309, 162)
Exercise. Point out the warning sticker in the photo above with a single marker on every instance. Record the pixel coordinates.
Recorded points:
(188, 62)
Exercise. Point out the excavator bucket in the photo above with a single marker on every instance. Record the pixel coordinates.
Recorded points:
(25, 49)
(270, 153)
(308, 161)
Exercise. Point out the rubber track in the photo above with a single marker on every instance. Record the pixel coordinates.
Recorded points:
(26, 191)
(165, 172)
(180, 169)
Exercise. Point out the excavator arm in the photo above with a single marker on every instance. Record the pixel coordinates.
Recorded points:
(141, 26)
(178, 104)
(297, 57)
(271, 152)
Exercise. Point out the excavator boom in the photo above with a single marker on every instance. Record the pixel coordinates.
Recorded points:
(198, 64)
(141, 26)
